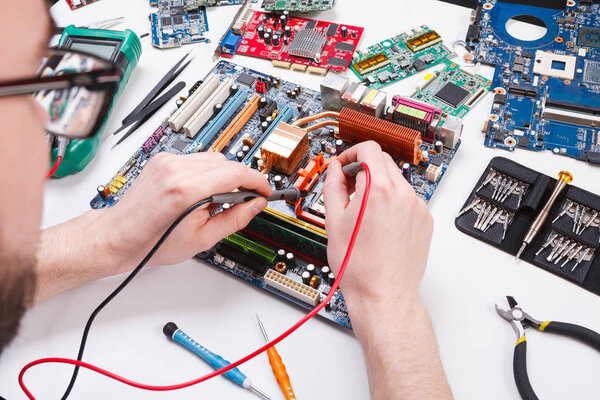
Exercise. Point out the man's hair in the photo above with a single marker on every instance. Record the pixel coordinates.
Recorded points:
(17, 286)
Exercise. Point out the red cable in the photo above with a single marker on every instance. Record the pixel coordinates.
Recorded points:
(250, 356)
(54, 167)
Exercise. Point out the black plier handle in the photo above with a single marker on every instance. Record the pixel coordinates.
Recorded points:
(520, 321)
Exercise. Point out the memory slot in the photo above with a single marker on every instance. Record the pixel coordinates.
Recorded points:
(189, 107)
(284, 116)
(236, 125)
(206, 110)
(571, 117)
(216, 124)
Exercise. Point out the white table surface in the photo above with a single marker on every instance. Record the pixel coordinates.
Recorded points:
(464, 278)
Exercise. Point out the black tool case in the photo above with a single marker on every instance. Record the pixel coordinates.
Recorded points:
(538, 189)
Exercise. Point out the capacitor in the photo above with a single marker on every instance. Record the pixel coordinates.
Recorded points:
(240, 155)
(344, 31)
(246, 149)
(331, 132)
(300, 108)
(314, 281)
(248, 141)
(439, 147)
(287, 14)
(298, 89)
(260, 164)
(286, 41)
(339, 146)
(179, 103)
(268, 120)
(330, 278)
(264, 126)
(267, 39)
(325, 270)
(283, 20)
(290, 259)
(277, 82)
(294, 94)
(278, 181)
(233, 88)
(101, 190)
(281, 255)
(311, 269)
(425, 155)
(287, 31)
(261, 31)
(305, 277)
(324, 145)
(263, 102)
(265, 19)
(288, 93)
(218, 108)
(281, 267)
(269, 31)
(276, 40)
(407, 173)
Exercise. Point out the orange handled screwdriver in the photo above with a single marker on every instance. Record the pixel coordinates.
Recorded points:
(279, 371)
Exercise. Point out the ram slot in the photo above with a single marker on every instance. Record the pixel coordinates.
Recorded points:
(206, 110)
(193, 103)
(284, 116)
(217, 123)
(236, 125)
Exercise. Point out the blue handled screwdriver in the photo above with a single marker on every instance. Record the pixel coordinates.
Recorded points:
(234, 375)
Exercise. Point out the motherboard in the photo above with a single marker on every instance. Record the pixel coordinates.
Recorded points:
(547, 91)
(256, 119)
(298, 5)
(454, 89)
(399, 57)
(172, 26)
(290, 41)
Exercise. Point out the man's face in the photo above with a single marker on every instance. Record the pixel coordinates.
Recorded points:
(24, 158)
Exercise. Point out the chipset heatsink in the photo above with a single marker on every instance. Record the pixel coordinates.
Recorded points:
(308, 43)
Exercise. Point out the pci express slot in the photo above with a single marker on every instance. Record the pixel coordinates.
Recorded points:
(284, 116)
(251, 248)
(206, 110)
(217, 123)
(236, 125)
(194, 102)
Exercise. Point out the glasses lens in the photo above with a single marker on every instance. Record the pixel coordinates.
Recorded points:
(72, 112)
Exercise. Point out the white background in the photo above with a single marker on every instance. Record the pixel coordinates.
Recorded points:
(464, 279)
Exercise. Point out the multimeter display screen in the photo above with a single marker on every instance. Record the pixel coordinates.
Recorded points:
(101, 50)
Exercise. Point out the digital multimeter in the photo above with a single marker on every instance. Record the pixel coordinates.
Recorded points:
(124, 49)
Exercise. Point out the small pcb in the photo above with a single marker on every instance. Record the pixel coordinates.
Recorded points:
(292, 42)
(195, 4)
(298, 5)
(75, 4)
(454, 90)
(173, 26)
(399, 57)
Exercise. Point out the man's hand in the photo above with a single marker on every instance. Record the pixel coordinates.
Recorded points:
(381, 282)
(168, 186)
(107, 242)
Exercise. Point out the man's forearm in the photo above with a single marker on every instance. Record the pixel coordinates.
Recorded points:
(401, 352)
(76, 252)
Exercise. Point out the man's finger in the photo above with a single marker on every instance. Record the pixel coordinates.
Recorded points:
(335, 192)
(233, 219)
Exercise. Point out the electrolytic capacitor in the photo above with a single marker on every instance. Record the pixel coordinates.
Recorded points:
(407, 173)
(268, 120)
(101, 192)
(331, 132)
(246, 149)
(179, 103)
(287, 14)
(344, 31)
(425, 155)
(261, 31)
(267, 39)
(325, 270)
(330, 278)
(283, 20)
(281, 255)
(439, 147)
(260, 164)
(294, 94)
(263, 102)
(288, 31)
(278, 181)
(288, 93)
(324, 145)
(218, 108)
(240, 155)
(265, 19)
(305, 277)
(286, 41)
(264, 126)
(290, 259)
(339, 146)
(276, 40)
(269, 31)
(311, 269)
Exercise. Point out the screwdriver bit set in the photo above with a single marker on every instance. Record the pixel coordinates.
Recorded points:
(504, 204)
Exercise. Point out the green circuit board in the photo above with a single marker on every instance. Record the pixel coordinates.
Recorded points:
(454, 89)
(399, 57)
(298, 5)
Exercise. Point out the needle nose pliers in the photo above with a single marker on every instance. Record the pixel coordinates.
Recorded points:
(520, 321)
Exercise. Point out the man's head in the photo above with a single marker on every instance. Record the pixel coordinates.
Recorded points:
(24, 25)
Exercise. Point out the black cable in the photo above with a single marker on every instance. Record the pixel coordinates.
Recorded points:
(126, 282)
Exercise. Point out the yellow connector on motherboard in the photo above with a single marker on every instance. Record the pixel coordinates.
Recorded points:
(423, 41)
(372, 63)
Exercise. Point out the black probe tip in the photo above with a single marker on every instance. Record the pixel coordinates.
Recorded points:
(169, 329)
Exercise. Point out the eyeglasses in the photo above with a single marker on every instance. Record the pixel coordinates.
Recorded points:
(75, 88)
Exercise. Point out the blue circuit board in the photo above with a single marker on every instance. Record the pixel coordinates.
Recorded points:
(307, 102)
(172, 26)
(547, 91)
